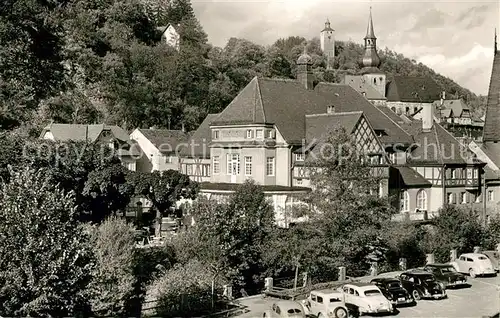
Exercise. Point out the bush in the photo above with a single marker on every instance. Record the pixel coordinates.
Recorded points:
(183, 291)
(46, 260)
(114, 281)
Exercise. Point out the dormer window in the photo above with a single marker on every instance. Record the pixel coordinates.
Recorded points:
(299, 156)
(330, 109)
(260, 134)
(270, 134)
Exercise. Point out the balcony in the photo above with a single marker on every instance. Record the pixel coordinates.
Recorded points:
(414, 216)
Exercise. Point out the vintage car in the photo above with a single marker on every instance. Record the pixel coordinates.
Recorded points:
(363, 298)
(494, 257)
(446, 274)
(422, 285)
(285, 309)
(392, 289)
(474, 264)
(326, 303)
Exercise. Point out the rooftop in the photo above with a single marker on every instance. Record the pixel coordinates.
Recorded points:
(165, 140)
(492, 115)
(412, 89)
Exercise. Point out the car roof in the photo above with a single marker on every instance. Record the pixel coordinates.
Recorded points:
(417, 273)
(385, 279)
(439, 265)
(288, 304)
(472, 254)
(360, 284)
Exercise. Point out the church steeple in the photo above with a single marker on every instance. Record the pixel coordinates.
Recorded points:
(370, 58)
(495, 49)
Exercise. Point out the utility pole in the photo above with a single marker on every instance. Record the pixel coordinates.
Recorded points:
(296, 273)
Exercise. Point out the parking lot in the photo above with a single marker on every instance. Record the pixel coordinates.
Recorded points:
(481, 299)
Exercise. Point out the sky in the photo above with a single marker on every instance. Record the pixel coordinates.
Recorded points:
(455, 38)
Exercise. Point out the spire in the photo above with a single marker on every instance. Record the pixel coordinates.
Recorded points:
(495, 49)
(327, 26)
(371, 60)
(370, 34)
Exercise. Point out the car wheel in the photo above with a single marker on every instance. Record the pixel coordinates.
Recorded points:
(341, 312)
(415, 294)
(472, 273)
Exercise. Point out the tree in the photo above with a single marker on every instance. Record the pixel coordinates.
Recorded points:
(46, 260)
(346, 208)
(241, 227)
(113, 283)
(106, 192)
(164, 189)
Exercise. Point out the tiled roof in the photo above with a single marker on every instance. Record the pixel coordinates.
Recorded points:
(198, 143)
(492, 150)
(490, 174)
(491, 131)
(412, 89)
(165, 140)
(286, 102)
(437, 146)
(77, 132)
(361, 86)
(457, 106)
(265, 188)
(393, 116)
(411, 178)
(318, 126)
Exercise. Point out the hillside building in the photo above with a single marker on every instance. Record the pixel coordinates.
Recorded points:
(170, 35)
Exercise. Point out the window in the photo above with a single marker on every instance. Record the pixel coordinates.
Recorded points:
(422, 200)
(453, 173)
(469, 173)
(463, 195)
(451, 198)
(299, 156)
(299, 181)
(415, 109)
(407, 110)
(216, 163)
(490, 195)
(404, 201)
(270, 134)
(168, 159)
(233, 164)
(270, 166)
(475, 173)
(249, 133)
(374, 160)
(330, 109)
(392, 157)
(189, 170)
(205, 170)
(319, 300)
(216, 134)
(260, 134)
(248, 166)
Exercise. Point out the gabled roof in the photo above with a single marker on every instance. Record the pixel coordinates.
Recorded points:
(437, 146)
(166, 141)
(457, 106)
(411, 178)
(198, 143)
(78, 132)
(319, 126)
(491, 131)
(412, 89)
(162, 29)
(362, 86)
(285, 103)
(492, 150)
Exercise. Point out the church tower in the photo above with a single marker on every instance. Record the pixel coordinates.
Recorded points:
(370, 61)
(327, 39)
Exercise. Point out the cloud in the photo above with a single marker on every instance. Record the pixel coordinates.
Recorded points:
(438, 30)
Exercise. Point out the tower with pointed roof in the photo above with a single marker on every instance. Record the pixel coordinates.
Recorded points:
(327, 40)
(304, 70)
(370, 61)
(491, 133)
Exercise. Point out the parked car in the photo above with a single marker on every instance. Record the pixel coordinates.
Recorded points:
(422, 284)
(285, 309)
(393, 290)
(326, 303)
(474, 264)
(494, 257)
(446, 274)
(363, 298)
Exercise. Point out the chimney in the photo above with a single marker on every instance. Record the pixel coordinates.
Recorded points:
(427, 117)
(152, 127)
(183, 129)
(304, 70)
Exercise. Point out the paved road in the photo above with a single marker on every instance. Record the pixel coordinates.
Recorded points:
(481, 299)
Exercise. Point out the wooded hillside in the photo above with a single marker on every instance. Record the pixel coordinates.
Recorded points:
(71, 61)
